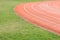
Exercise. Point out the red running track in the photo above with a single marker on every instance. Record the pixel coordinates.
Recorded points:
(44, 14)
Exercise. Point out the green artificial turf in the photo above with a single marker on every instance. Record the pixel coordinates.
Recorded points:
(13, 27)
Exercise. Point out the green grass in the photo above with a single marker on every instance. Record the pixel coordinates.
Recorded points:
(13, 27)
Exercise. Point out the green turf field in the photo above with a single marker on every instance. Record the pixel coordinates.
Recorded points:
(13, 27)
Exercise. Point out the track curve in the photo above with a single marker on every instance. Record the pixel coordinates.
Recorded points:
(44, 14)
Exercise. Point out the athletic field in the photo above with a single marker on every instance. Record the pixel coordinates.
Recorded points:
(13, 27)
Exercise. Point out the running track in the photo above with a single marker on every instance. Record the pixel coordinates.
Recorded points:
(43, 14)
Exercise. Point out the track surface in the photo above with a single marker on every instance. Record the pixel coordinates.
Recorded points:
(44, 14)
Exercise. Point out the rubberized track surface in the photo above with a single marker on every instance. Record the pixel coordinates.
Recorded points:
(44, 14)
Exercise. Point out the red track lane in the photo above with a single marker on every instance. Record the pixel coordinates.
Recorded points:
(43, 14)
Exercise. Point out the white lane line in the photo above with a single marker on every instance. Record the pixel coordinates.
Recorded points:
(35, 9)
(40, 7)
(36, 17)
